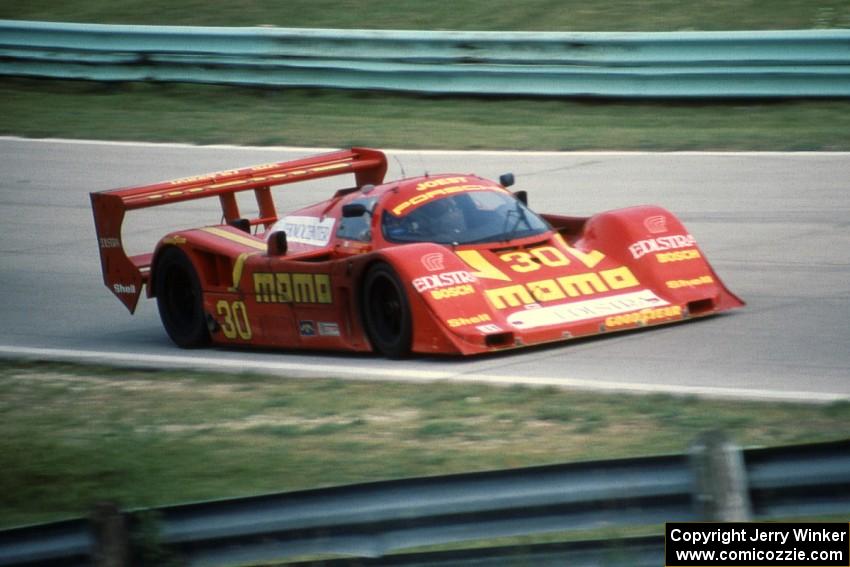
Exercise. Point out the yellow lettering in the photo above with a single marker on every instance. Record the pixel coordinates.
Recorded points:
(323, 288)
(284, 287)
(702, 280)
(235, 322)
(304, 288)
(643, 316)
(550, 256)
(464, 321)
(509, 296)
(677, 256)
(546, 290)
(589, 259)
(576, 285)
(483, 268)
(264, 288)
(582, 284)
(619, 278)
(524, 261)
(454, 291)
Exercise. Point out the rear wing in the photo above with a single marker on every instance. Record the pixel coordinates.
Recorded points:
(125, 275)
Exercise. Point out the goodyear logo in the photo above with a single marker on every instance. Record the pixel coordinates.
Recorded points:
(643, 316)
(286, 287)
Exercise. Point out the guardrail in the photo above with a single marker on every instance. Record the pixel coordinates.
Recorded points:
(808, 63)
(374, 519)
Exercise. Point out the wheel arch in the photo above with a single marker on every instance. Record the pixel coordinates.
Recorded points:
(180, 302)
(428, 335)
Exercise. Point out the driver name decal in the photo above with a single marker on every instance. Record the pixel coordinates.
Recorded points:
(306, 230)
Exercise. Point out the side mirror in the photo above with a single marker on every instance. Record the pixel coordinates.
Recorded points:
(354, 210)
(522, 197)
(242, 224)
(277, 243)
(506, 179)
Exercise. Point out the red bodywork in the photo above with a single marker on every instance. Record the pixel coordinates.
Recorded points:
(617, 270)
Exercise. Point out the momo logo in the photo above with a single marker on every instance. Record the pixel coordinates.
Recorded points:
(284, 287)
(562, 288)
(433, 262)
(656, 224)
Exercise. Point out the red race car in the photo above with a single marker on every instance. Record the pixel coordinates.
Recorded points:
(451, 264)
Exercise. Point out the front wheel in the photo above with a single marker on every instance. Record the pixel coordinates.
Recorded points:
(386, 312)
(179, 299)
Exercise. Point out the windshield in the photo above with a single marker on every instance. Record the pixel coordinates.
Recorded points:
(465, 218)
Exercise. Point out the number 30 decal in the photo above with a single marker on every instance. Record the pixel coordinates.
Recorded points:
(235, 322)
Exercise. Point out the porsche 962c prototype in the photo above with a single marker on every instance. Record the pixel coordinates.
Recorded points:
(451, 264)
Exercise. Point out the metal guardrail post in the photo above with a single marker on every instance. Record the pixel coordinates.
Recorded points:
(721, 493)
(112, 543)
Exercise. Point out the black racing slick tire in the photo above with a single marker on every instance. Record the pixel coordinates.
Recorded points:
(386, 312)
(179, 299)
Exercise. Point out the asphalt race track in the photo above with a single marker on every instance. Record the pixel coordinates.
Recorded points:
(776, 227)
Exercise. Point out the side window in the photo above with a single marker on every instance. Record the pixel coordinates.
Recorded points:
(358, 228)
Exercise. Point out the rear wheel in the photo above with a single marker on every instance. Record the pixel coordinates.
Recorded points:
(386, 312)
(179, 298)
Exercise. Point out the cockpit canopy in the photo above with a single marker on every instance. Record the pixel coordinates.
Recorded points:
(464, 218)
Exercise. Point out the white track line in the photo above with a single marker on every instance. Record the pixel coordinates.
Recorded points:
(384, 374)
(802, 154)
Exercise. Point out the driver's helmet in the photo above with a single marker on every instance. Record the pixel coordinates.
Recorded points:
(441, 217)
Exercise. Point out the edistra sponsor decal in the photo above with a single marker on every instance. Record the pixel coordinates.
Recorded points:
(445, 279)
(644, 247)
(585, 310)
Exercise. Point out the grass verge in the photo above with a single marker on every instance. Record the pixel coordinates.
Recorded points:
(72, 435)
(533, 15)
(208, 114)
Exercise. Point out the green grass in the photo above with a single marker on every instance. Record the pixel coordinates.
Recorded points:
(208, 114)
(560, 15)
(71, 436)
